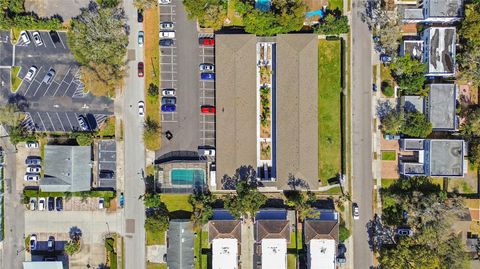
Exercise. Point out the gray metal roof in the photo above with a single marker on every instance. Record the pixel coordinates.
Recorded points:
(180, 245)
(412, 103)
(446, 157)
(43, 265)
(441, 106)
(413, 14)
(444, 8)
(67, 168)
(441, 53)
(297, 109)
(236, 102)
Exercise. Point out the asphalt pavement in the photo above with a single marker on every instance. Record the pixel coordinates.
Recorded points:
(362, 181)
(134, 187)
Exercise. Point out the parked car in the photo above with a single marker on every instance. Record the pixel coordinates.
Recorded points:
(33, 203)
(169, 100)
(37, 38)
(101, 203)
(207, 109)
(55, 37)
(139, 15)
(384, 58)
(168, 108)
(41, 203)
(207, 76)
(33, 160)
(168, 92)
(341, 254)
(167, 42)
(51, 244)
(32, 71)
(206, 152)
(51, 203)
(122, 200)
(24, 37)
(164, 2)
(356, 211)
(376, 38)
(206, 41)
(32, 145)
(49, 76)
(140, 69)
(108, 174)
(141, 108)
(404, 232)
(82, 121)
(391, 137)
(207, 67)
(167, 34)
(59, 203)
(166, 25)
(31, 177)
(33, 242)
(374, 87)
(34, 169)
(141, 37)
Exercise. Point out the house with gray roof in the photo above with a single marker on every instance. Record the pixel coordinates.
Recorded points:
(441, 107)
(43, 265)
(225, 237)
(321, 237)
(180, 245)
(439, 51)
(294, 155)
(433, 157)
(67, 169)
(435, 11)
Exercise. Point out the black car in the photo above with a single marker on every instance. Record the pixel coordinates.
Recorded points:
(55, 37)
(51, 244)
(166, 42)
(51, 203)
(139, 15)
(108, 174)
(169, 101)
(59, 203)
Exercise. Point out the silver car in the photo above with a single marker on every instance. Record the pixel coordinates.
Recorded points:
(49, 76)
(37, 38)
(166, 25)
(207, 67)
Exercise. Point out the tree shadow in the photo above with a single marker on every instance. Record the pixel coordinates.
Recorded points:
(19, 101)
(180, 214)
(384, 108)
(243, 173)
(297, 183)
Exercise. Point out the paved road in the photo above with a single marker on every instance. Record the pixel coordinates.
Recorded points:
(361, 135)
(14, 243)
(134, 150)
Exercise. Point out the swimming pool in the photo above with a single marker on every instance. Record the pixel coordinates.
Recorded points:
(263, 5)
(195, 176)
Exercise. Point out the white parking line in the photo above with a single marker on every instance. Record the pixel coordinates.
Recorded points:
(53, 43)
(50, 86)
(44, 128)
(53, 126)
(58, 117)
(33, 79)
(68, 71)
(59, 37)
(71, 126)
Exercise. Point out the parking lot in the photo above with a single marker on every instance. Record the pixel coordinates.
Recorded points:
(107, 156)
(53, 105)
(207, 97)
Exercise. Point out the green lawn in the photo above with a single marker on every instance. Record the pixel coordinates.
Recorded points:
(107, 128)
(334, 190)
(155, 237)
(334, 4)
(156, 265)
(329, 114)
(15, 80)
(177, 205)
(299, 240)
(386, 182)
(234, 20)
(200, 249)
(291, 261)
(389, 155)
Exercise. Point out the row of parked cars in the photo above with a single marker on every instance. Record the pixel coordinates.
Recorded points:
(50, 243)
(34, 165)
(49, 203)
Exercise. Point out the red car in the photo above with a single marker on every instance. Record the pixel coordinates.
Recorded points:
(206, 41)
(140, 69)
(207, 109)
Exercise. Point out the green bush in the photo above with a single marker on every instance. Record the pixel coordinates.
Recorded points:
(388, 91)
(344, 233)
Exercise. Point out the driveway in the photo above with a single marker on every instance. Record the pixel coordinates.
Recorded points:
(66, 9)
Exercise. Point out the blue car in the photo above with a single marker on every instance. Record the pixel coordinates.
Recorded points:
(168, 108)
(207, 76)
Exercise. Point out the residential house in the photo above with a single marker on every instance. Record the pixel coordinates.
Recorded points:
(435, 11)
(439, 51)
(43, 265)
(180, 245)
(225, 237)
(321, 238)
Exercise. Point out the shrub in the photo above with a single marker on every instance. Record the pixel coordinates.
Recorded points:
(72, 247)
(388, 91)
(344, 233)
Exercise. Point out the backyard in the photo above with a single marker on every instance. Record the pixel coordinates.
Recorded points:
(329, 111)
(177, 205)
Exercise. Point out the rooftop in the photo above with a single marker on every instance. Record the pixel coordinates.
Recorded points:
(322, 253)
(272, 229)
(274, 253)
(224, 253)
(414, 48)
(67, 168)
(224, 229)
(321, 229)
(446, 157)
(43, 265)
(413, 14)
(441, 50)
(445, 8)
(442, 106)
(180, 248)
(412, 103)
(412, 144)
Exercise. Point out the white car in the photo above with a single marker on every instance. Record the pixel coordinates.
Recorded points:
(356, 212)
(37, 38)
(141, 38)
(167, 34)
(31, 177)
(24, 37)
(33, 242)
(32, 145)
(164, 2)
(168, 92)
(33, 203)
(31, 73)
(206, 152)
(166, 25)
(207, 67)
(34, 169)
(141, 108)
(41, 204)
(101, 202)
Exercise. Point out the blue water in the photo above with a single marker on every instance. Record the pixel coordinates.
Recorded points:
(314, 13)
(263, 5)
(187, 176)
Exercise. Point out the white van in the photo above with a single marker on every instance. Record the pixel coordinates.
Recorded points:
(167, 34)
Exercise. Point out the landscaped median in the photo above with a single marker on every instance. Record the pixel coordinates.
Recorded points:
(329, 109)
(15, 80)
(152, 129)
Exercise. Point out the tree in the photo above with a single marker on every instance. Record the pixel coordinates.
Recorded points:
(246, 202)
(10, 115)
(157, 219)
(392, 123)
(333, 25)
(108, 3)
(83, 138)
(209, 13)
(388, 91)
(416, 125)
(471, 127)
(145, 4)
(201, 202)
(409, 73)
(152, 200)
(72, 247)
(98, 41)
(390, 34)
(374, 14)
(153, 90)
(474, 152)
(468, 56)
(302, 203)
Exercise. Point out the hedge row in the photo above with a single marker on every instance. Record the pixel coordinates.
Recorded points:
(28, 21)
(38, 193)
